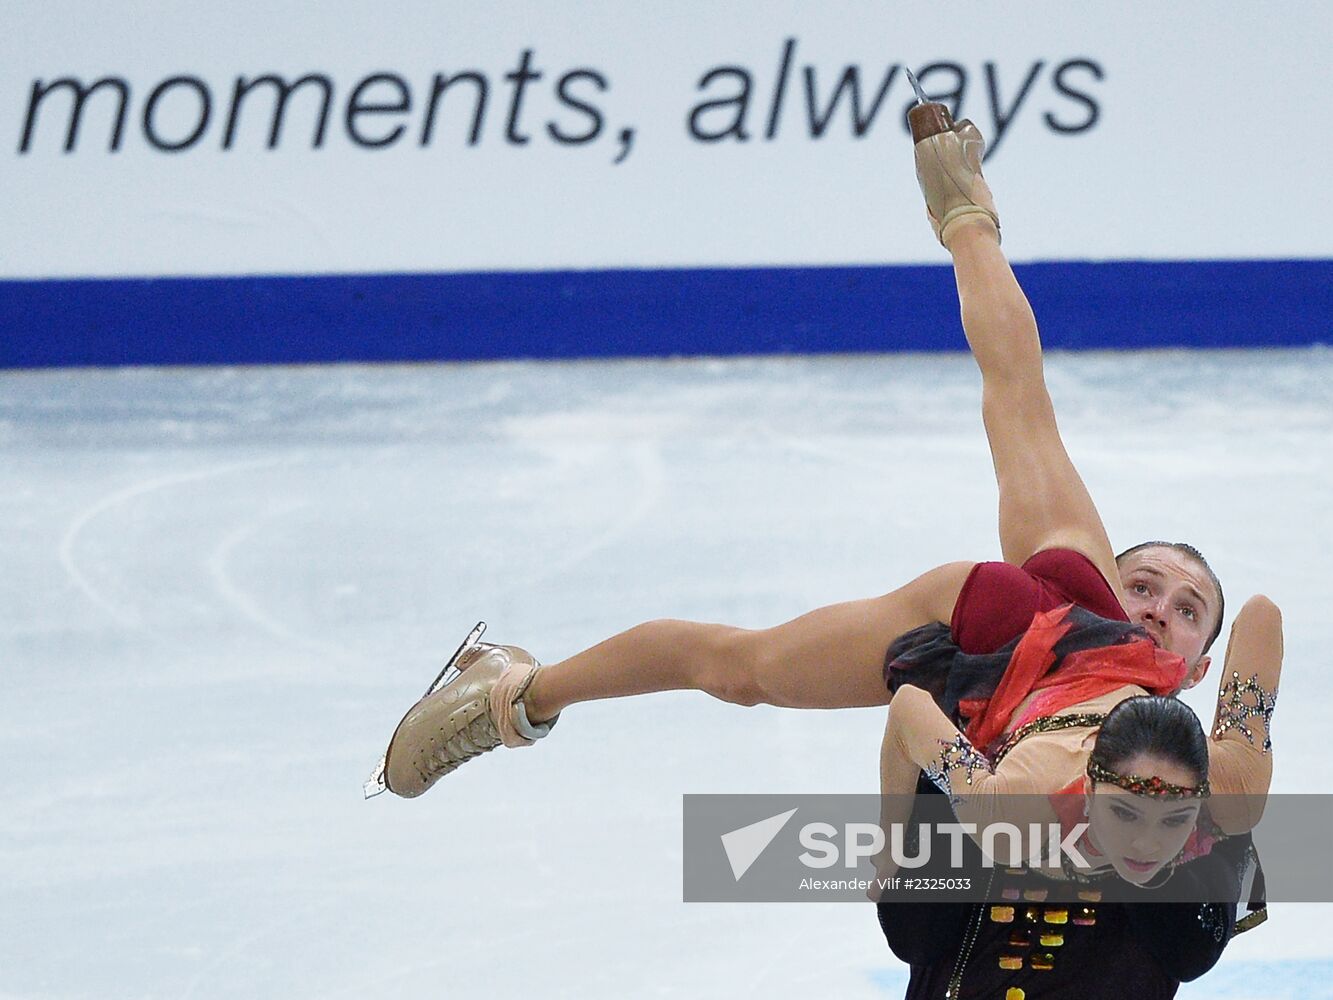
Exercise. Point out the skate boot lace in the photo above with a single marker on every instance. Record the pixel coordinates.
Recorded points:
(473, 740)
(481, 734)
(476, 738)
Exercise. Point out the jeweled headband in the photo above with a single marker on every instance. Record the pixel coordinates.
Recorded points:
(1151, 787)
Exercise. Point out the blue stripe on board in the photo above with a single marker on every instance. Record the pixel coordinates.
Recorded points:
(580, 314)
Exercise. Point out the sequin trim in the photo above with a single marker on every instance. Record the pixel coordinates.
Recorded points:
(1233, 711)
(1049, 724)
(1151, 786)
(956, 755)
(1213, 920)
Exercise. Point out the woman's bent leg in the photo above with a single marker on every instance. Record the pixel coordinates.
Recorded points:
(829, 658)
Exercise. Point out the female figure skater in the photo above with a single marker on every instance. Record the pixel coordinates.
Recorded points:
(1056, 551)
(1138, 765)
(1112, 939)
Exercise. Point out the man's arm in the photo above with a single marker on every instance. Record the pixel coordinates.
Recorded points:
(1187, 939)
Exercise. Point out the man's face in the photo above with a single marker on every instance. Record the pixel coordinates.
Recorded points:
(1170, 595)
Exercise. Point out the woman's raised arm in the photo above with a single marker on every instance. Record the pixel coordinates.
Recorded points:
(1240, 758)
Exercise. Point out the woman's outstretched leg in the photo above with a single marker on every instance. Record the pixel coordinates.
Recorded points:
(1043, 501)
(829, 658)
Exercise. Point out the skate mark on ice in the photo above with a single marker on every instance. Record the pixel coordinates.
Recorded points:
(492, 951)
(891, 456)
(646, 460)
(218, 566)
(65, 550)
(240, 943)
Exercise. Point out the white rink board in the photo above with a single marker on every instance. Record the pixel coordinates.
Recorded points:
(1202, 145)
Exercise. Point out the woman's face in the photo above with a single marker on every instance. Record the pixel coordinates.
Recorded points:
(1138, 834)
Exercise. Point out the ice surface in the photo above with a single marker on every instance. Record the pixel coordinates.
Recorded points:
(222, 588)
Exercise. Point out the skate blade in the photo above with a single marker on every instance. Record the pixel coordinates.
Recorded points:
(921, 97)
(376, 784)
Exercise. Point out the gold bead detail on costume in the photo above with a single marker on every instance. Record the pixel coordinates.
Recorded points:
(1233, 710)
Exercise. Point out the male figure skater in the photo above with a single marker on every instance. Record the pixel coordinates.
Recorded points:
(1050, 528)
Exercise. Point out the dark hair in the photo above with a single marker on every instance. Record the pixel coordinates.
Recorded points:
(1187, 549)
(1156, 725)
